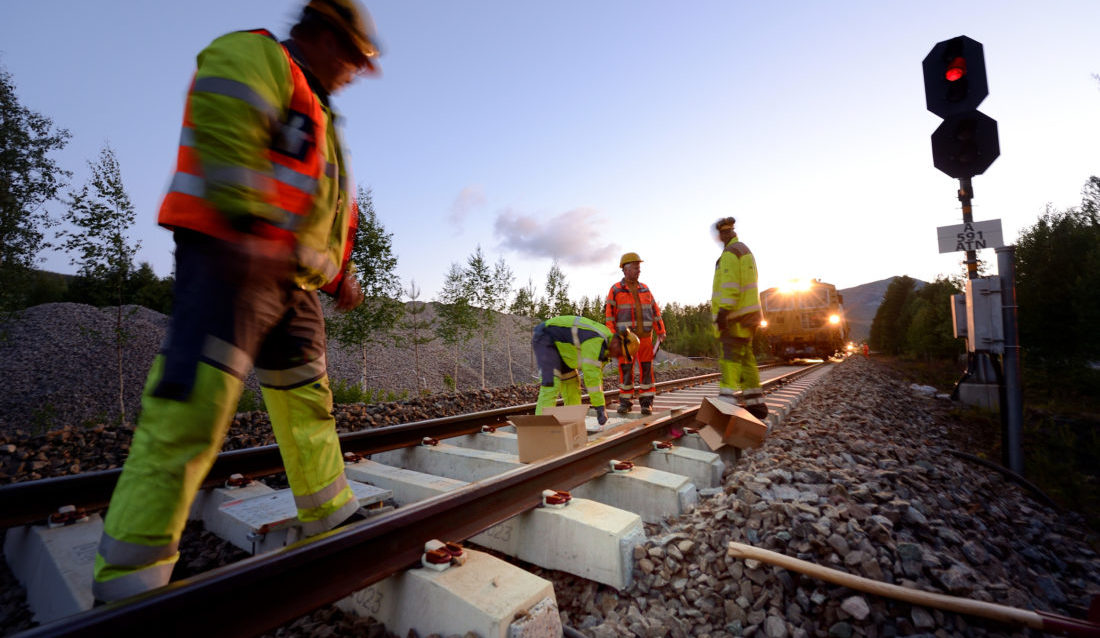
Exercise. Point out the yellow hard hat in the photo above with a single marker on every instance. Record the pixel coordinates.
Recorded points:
(631, 342)
(628, 258)
(350, 18)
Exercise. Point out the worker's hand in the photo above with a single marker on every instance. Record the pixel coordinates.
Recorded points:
(751, 320)
(721, 320)
(348, 295)
(601, 415)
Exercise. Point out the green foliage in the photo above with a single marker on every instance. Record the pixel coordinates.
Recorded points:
(376, 272)
(250, 401)
(1058, 283)
(101, 215)
(417, 327)
(557, 300)
(345, 393)
(690, 330)
(28, 179)
(891, 323)
(449, 381)
(456, 318)
(930, 333)
(592, 308)
(144, 288)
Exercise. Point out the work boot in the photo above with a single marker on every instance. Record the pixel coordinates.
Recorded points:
(647, 406)
(624, 407)
(759, 410)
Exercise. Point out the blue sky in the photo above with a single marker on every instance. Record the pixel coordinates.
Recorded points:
(581, 130)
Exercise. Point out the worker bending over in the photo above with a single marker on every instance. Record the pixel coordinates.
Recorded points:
(563, 345)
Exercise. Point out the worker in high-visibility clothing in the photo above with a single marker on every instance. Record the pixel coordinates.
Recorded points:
(263, 213)
(563, 345)
(631, 306)
(735, 309)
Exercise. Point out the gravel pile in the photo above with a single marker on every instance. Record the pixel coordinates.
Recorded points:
(858, 478)
(59, 364)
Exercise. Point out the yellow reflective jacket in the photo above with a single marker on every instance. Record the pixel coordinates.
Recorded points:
(734, 294)
(259, 153)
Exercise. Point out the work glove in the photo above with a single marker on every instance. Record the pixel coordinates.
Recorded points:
(601, 415)
(751, 320)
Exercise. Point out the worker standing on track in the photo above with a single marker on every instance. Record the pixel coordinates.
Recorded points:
(631, 306)
(735, 309)
(263, 213)
(563, 345)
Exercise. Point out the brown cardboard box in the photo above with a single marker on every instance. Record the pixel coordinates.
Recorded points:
(557, 430)
(728, 424)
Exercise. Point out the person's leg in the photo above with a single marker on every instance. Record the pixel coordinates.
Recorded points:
(550, 366)
(626, 386)
(221, 308)
(293, 377)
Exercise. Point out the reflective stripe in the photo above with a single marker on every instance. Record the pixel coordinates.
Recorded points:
(125, 554)
(311, 528)
(321, 496)
(591, 389)
(317, 262)
(238, 90)
(747, 310)
(568, 375)
(292, 377)
(591, 362)
(134, 583)
(188, 184)
(295, 179)
(187, 136)
(730, 284)
(626, 305)
(628, 388)
(227, 356)
(238, 176)
(725, 300)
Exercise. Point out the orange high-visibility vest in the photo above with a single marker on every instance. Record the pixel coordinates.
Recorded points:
(297, 153)
(621, 312)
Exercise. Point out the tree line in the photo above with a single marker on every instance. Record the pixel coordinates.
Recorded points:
(1057, 294)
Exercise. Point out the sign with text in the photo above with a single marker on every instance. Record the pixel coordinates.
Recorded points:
(970, 236)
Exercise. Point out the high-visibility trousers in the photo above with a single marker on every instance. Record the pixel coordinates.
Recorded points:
(232, 310)
(740, 380)
(646, 387)
(555, 378)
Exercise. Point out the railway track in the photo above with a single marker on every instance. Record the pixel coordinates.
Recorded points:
(355, 556)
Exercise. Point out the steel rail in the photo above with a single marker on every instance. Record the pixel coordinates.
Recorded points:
(345, 560)
(33, 501)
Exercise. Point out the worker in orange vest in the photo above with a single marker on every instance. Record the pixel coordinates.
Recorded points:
(631, 306)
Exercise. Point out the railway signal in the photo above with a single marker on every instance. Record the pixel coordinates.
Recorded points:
(966, 143)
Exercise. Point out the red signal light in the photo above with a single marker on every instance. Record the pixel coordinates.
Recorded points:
(956, 69)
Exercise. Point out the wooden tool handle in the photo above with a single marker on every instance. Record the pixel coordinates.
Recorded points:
(991, 611)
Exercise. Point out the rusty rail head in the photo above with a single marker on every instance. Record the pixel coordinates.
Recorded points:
(32, 501)
(342, 561)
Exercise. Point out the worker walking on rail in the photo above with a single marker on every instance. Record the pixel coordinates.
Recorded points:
(631, 306)
(735, 310)
(563, 345)
(263, 213)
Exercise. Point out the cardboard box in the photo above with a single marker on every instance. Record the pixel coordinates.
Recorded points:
(727, 424)
(557, 430)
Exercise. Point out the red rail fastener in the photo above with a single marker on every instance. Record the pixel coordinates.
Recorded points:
(556, 499)
(458, 554)
(621, 467)
(489, 428)
(662, 446)
(67, 515)
(237, 481)
(352, 457)
(429, 441)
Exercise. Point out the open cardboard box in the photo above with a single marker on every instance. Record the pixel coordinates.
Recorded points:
(557, 430)
(724, 423)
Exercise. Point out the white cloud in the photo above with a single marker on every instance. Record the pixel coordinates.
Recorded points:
(573, 237)
(470, 198)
